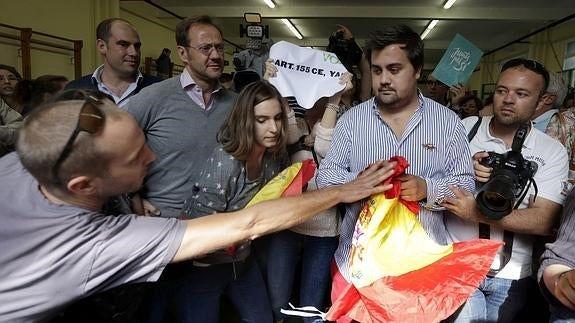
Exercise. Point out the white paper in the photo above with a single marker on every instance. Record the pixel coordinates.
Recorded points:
(304, 73)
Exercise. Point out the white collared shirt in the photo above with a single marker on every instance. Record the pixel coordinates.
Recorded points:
(119, 100)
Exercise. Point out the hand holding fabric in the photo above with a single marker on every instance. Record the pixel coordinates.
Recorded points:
(413, 188)
(271, 69)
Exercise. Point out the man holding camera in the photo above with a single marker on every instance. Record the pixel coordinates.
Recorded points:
(522, 178)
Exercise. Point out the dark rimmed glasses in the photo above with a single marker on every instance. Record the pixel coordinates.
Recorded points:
(91, 120)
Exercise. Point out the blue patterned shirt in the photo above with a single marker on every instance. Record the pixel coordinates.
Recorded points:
(434, 143)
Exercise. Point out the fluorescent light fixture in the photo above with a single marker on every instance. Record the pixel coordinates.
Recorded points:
(425, 32)
(272, 5)
(293, 29)
(429, 27)
(447, 5)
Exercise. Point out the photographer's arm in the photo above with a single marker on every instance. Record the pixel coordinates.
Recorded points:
(209, 233)
(538, 219)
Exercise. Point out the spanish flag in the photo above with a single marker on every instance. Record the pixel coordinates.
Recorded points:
(289, 182)
(398, 273)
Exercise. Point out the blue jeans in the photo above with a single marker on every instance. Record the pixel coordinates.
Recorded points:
(496, 300)
(286, 249)
(192, 294)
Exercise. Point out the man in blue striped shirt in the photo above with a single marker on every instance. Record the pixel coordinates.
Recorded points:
(399, 120)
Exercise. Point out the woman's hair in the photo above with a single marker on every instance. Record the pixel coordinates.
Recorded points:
(470, 97)
(237, 132)
(12, 70)
(30, 94)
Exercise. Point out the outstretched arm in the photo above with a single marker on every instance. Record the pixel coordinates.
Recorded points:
(209, 233)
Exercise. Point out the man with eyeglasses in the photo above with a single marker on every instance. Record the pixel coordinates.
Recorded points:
(436, 90)
(118, 43)
(180, 117)
(58, 246)
(503, 293)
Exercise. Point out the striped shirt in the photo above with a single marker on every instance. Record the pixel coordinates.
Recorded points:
(434, 143)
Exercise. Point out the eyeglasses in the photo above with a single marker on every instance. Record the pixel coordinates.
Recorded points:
(207, 48)
(529, 64)
(434, 83)
(90, 120)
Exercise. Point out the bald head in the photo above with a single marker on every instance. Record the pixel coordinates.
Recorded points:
(45, 133)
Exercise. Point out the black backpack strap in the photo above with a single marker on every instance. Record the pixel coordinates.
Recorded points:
(474, 129)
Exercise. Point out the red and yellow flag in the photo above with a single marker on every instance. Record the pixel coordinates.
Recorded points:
(398, 273)
(288, 182)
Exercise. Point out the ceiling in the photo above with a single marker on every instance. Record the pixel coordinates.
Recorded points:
(489, 24)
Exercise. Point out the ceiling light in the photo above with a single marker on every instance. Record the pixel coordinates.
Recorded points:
(272, 5)
(429, 27)
(293, 29)
(447, 5)
(425, 32)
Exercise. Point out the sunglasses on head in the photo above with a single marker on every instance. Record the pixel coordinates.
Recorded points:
(529, 64)
(91, 120)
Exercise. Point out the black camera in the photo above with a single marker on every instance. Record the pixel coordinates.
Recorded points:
(508, 181)
(347, 51)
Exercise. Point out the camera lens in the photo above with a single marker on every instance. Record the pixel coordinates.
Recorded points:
(496, 201)
(496, 197)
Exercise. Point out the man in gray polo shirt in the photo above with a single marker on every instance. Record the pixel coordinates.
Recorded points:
(57, 246)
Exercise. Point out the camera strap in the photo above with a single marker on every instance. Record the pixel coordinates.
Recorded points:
(485, 233)
(485, 229)
(474, 129)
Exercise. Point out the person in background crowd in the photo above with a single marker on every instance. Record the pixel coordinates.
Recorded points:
(487, 107)
(552, 100)
(10, 118)
(227, 81)
(9, 77)
(437, 90)
(119, 45)
(469, 105)
(30, 94)
(561, 127)
(164, 64)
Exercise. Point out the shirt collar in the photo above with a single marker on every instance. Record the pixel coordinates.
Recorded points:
(529, 139)
(97, 76)
(188, 82)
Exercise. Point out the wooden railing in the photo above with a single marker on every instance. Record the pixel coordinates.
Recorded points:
(27, 37)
